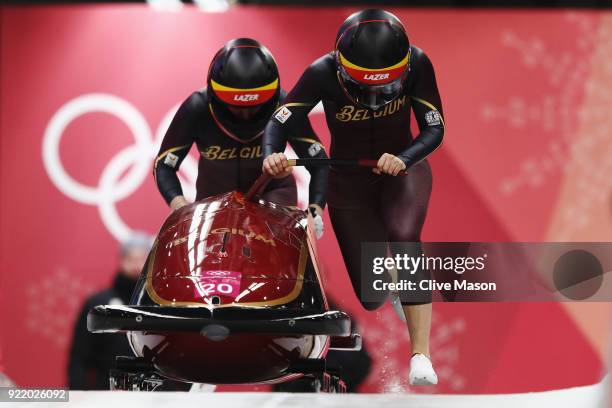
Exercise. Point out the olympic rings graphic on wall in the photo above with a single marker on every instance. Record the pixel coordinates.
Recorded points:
(137, 158)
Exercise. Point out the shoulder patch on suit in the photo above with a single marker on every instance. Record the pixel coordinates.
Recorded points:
(433, 118)
(283, 114)
(314, 149)
(171, 160)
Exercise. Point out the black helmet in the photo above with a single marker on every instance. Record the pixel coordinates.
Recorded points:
(373, 57)
(243, 86)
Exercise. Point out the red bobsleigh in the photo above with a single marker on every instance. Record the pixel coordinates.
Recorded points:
(231, 293)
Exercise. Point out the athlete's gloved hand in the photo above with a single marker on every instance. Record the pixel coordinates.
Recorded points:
(389, 164)
(178, 202)
(276, 165)
(316, 212)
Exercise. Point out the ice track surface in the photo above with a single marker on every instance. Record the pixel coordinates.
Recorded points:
(581, 397)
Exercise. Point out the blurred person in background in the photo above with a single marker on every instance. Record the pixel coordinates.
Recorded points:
(369, 85)
(226, 120)
(93, 355)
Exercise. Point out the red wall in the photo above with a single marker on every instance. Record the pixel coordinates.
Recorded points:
(508, 93)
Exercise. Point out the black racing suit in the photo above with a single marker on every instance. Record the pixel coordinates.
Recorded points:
(231, 155)
(365, 207)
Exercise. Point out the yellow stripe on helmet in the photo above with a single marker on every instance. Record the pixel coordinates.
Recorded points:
(218, 87)
(349, 64)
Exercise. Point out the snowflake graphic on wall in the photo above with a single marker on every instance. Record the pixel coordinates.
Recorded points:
(53, 302)
(553, 112)
(588, 153)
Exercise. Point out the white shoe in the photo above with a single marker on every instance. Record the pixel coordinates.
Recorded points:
(397, 306)
(421, 371)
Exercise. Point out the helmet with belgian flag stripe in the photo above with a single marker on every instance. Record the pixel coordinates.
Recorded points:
(373, 57)
(243, 86)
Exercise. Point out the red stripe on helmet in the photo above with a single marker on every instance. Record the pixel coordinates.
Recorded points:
(245, 98)
(375, 77)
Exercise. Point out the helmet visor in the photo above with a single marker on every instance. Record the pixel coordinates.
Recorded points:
(244, 113)
(371, 96)
(373, 88)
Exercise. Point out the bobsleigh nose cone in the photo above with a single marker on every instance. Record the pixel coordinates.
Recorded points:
(215, 332)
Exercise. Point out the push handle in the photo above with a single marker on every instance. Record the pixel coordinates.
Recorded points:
(263, 180)
(333, 162)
